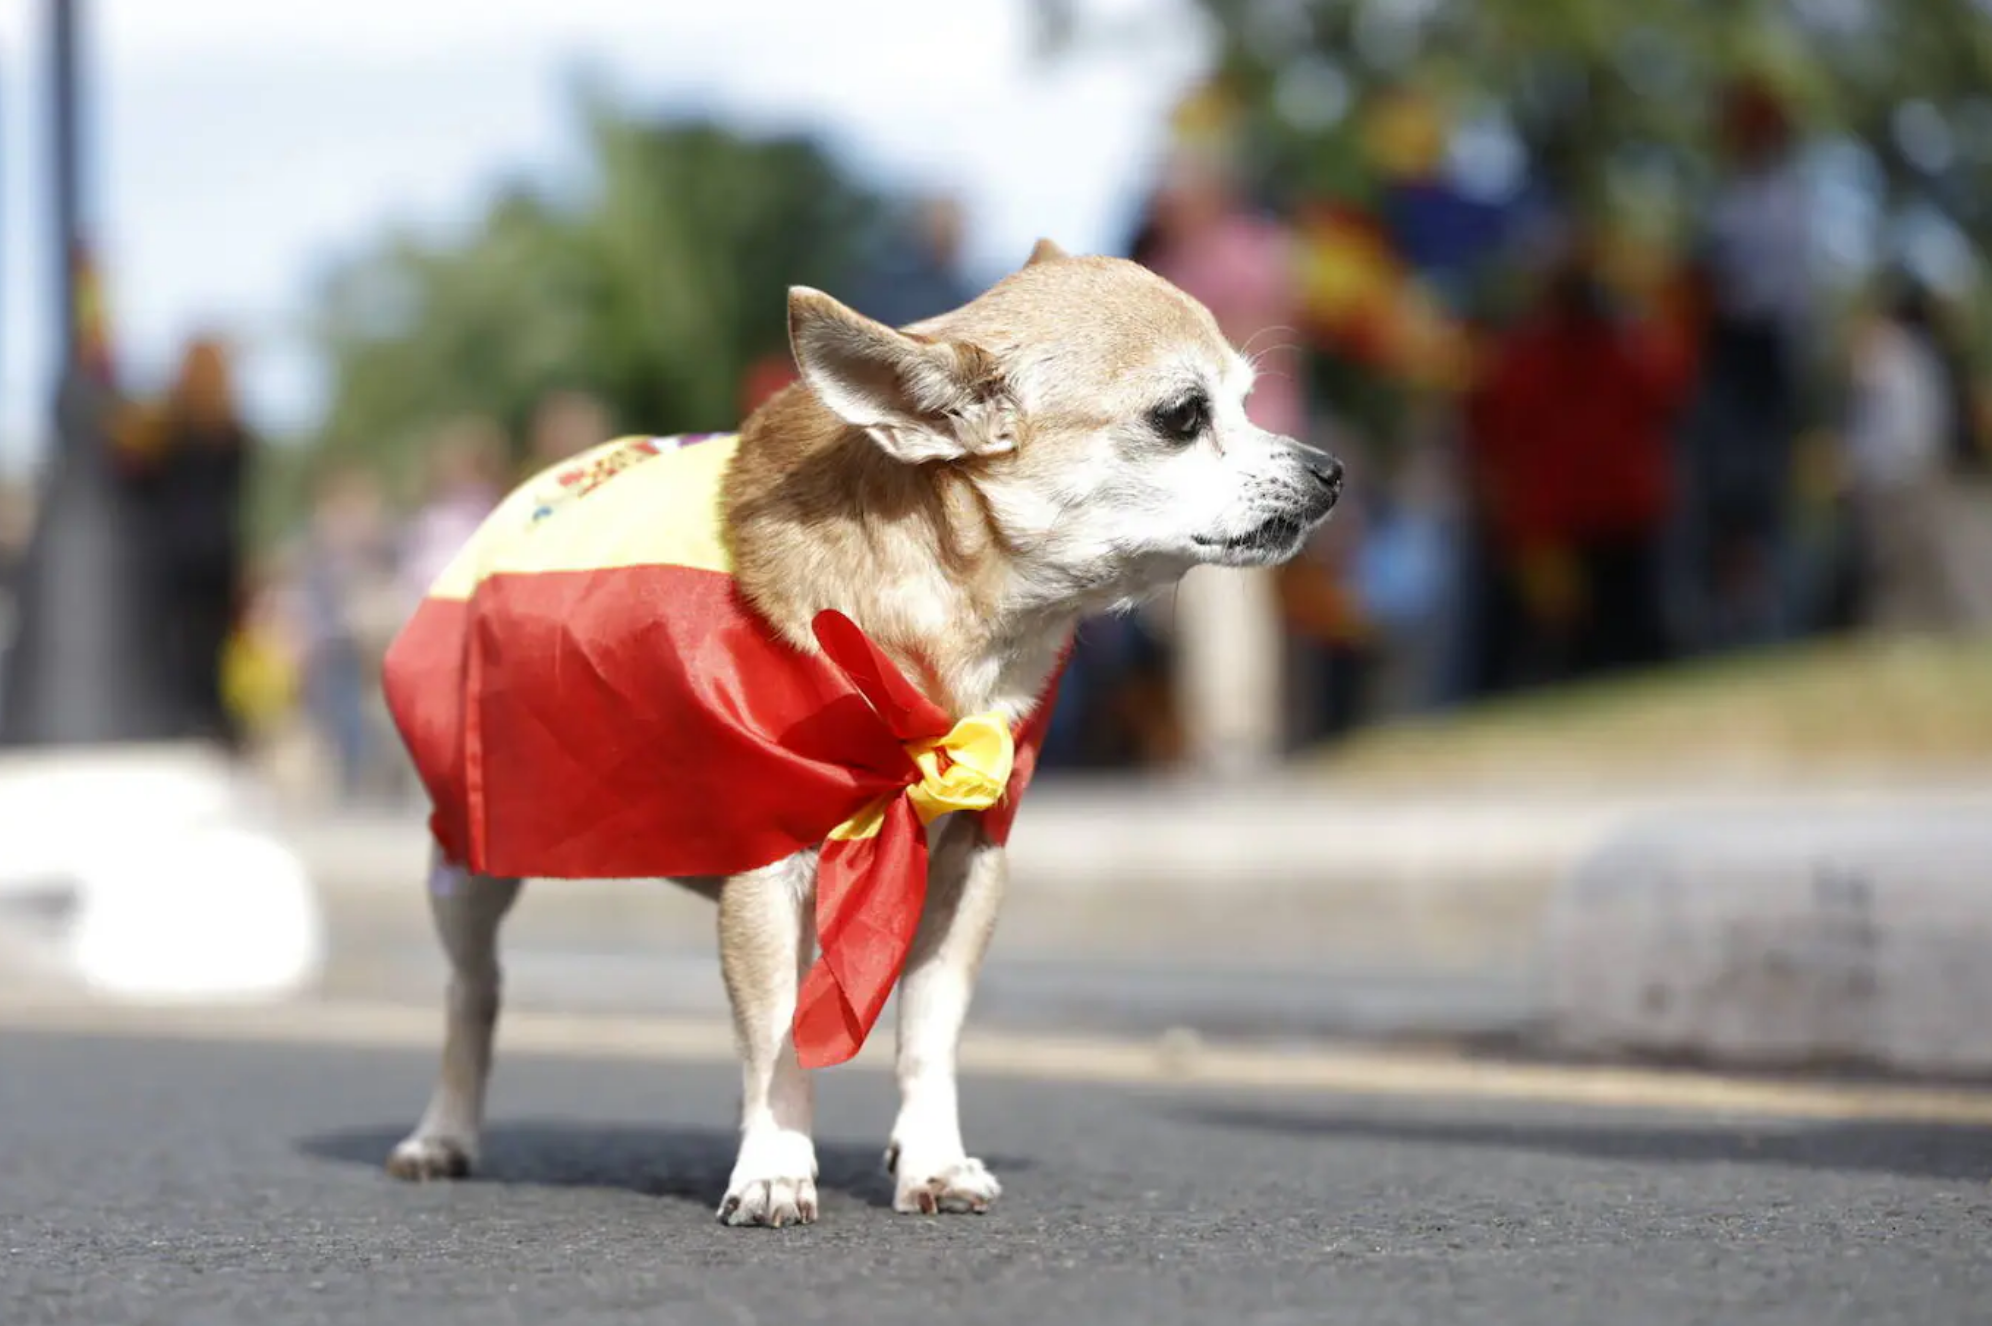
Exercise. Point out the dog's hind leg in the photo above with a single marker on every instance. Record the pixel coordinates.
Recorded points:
(766, 937)
(932, 1170)
(467, 909)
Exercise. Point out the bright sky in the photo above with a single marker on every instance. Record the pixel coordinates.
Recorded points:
(242, 143)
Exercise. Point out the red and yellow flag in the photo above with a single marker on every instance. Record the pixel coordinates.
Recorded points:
(586, 695)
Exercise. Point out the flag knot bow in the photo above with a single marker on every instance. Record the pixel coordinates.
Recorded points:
(967, 769)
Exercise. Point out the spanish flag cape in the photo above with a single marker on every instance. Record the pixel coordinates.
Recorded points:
(586, 695)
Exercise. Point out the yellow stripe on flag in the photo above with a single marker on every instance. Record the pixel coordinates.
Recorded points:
(662, 510)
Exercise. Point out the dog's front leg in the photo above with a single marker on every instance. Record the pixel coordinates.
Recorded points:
(766, 937)
(932, 1170)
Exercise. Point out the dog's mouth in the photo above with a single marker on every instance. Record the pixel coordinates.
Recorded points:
(1277, 538)
(1279, 532)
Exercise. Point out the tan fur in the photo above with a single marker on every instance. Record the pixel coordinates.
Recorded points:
(818, 518)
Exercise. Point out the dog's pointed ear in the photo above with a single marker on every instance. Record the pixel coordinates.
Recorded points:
(1045, 251)
(919, 400)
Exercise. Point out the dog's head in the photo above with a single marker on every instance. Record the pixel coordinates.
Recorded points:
(1099, 413)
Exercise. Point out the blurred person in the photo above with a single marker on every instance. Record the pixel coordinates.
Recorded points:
(1371, 606)
(1967, 490)
(189, 459)
(263, 677)
(1406, 574)
(1331, 644)
(564, 424)
(466, 466)
(1202, 234)
(1901, 426)
(1757, 310)
(349, 605)
(464, 480)
(17, 517)
(1570, 452)
(263, 665)
(1971, 500)
(917, 274)
(16, 520)
(16, 527)
(1113, 709)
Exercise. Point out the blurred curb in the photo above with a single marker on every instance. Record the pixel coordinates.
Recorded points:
(1794, 935)
(1278, 872)
(149, 872)
(1528, 918)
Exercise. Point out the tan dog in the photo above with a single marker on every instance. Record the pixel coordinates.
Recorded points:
(964, 490)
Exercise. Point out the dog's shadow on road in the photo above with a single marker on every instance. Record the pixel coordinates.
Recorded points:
(692, 1164)
(1909, 1149)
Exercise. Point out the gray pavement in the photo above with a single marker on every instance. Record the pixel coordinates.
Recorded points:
(207, 1183)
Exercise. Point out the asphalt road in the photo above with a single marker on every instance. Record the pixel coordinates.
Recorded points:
(216, 1183)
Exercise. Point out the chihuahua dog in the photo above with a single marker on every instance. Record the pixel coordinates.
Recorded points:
(965, 490)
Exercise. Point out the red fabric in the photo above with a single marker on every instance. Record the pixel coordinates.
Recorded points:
(643, 721)
(1569, 432)
(869, 896)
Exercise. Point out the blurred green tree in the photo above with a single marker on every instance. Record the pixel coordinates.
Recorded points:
(655, 287)
(1610, 100)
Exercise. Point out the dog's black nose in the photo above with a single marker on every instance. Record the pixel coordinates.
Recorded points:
(1323, 467)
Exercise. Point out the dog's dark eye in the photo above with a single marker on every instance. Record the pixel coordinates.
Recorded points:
(1182, 421)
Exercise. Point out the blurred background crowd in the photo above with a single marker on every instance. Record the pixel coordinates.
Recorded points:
(1649, 334)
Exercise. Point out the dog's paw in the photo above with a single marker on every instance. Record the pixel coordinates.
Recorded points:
(774, 1181)
(772, 1202)
(420, 1159)
(965, 1187)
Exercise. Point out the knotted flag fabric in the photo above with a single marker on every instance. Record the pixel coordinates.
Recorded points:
(586, 695)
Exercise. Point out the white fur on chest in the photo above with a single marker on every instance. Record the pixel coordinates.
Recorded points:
(1009, 681)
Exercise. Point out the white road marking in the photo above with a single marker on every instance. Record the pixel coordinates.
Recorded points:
(1348, 1071)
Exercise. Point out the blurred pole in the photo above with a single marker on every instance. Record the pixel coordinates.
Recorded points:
(64, 112)
(3, 309)
(83, 667)
(1229, 674)
(7, 596)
